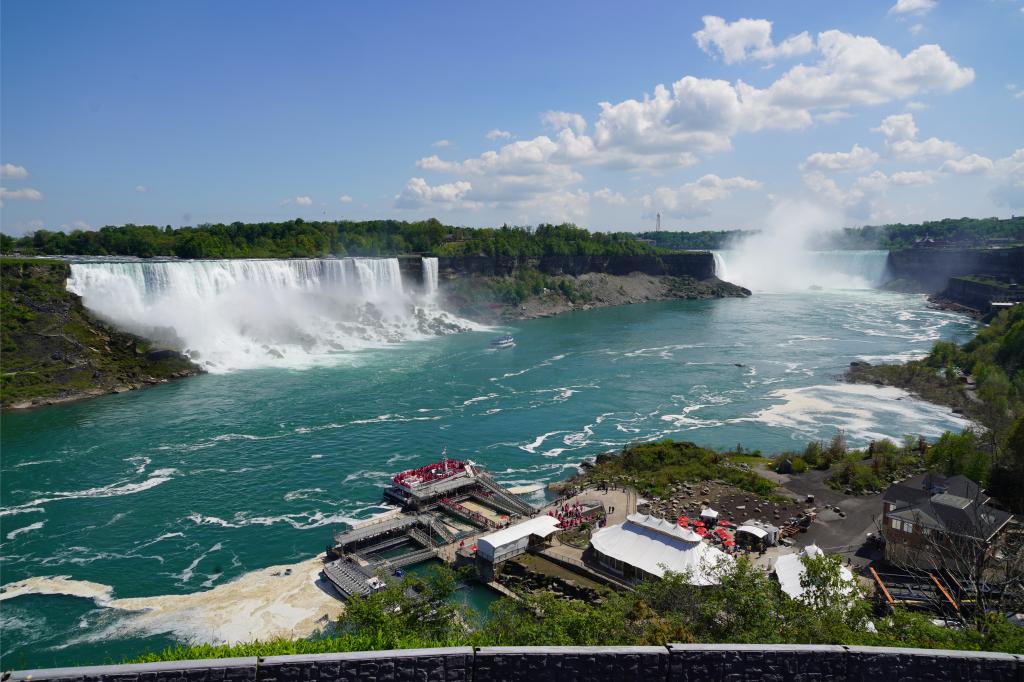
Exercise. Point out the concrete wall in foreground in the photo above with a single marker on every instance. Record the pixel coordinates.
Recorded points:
(676, 662)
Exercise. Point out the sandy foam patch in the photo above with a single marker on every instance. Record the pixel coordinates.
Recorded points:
(278, 601)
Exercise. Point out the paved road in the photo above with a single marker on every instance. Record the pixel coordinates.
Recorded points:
(829, 531)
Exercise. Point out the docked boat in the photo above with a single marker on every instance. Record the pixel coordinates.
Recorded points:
(503, 341)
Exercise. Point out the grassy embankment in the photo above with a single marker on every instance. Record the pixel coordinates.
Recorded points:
(653, 468)
(53, 350)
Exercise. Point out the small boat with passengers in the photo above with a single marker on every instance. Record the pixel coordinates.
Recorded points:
(506, 341)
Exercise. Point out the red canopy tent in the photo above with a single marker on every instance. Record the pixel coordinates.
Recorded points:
(683, 521)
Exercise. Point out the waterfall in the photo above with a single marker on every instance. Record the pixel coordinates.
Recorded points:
(430, 276)
(241, 314)
(720, 270)
(797, 269)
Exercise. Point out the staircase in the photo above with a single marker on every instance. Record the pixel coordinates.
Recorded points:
(506, 500)
(421, 537)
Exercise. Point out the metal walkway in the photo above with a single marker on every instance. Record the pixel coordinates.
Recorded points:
(354, 536)
(507, 500)
(410, 559)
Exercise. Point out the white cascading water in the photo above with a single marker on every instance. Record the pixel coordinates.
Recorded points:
(430, 278)
(779, 257)
(802, 270)
(243, 314)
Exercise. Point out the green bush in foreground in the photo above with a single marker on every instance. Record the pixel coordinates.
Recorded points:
(747, 607)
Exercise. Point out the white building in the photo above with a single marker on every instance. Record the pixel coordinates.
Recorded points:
(512, 541)
(645, 546)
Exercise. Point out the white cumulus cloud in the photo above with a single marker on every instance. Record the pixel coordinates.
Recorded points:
(748, 39)
(557, 120)
(968, 165)
(913, 178)
(858, 158)
(901, 141)
(9, 171)
(498, 134)
(304, 201)
(345, 199)
(694, 199)
(441, 143)
(913, 7)
(419, 194)
(25, 193)
(141, 189)
(608, 196)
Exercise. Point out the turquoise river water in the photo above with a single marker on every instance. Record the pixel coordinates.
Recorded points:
(186, 487)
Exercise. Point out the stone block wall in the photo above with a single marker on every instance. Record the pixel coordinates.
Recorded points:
(672, 663)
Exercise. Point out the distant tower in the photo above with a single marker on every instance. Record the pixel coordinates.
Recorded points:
(657, 224)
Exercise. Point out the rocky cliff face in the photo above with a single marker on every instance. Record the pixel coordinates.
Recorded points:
(932, 267)
(698, 265)
(54, 351)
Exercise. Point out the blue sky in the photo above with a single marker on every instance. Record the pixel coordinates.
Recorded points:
(717, 115)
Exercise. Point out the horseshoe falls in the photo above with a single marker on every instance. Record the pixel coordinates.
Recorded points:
(245, 314)
(757, 265)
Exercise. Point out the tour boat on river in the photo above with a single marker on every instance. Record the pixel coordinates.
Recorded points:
(506, 341)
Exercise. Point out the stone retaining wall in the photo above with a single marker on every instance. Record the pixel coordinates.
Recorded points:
(672, 663)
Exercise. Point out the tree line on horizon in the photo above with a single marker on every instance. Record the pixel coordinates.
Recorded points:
(301, 239)
(893, 236)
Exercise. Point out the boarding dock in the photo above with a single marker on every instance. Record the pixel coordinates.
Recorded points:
(444, 505)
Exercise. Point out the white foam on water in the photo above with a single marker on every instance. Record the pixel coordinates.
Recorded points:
(302, 494)
(189, 571)
(25, 529)
(118, 489)
(480, 398)
(278, 601)
(35, 462)
(858, 409)
(532, 446)
(526, 489)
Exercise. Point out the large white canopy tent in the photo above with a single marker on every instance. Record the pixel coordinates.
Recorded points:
(652, 546)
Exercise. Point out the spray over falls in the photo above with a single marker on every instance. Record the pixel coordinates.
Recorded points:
(786, 255)
(242, 314)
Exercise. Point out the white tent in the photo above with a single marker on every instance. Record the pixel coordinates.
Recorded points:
(709, 513)
(766, 533)
(789, 569)
(654, 545)
(760, 533)
(513, 541)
